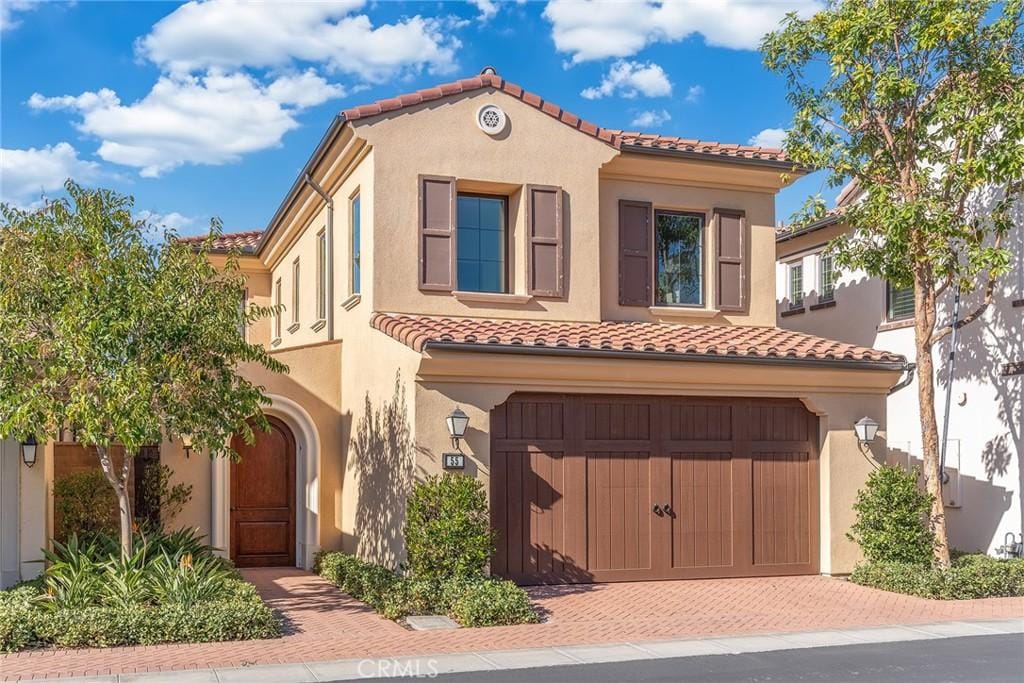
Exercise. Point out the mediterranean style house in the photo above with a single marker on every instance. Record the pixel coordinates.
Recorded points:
(599, 305)
(985, 437)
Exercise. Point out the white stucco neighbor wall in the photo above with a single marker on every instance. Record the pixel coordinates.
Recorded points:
(986, 421)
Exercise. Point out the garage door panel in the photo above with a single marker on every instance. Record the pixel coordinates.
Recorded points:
(618, 511)
(773, 422)
(699, 422)
(782, 508)
(616, 421)
(702, 504)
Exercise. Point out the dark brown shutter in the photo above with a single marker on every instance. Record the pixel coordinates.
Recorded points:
(634, 253)
(437, 233)
(545, 267)
(730, 260)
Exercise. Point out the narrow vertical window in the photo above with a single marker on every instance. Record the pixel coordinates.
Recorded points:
(679, 258)
(356, 254)
(243, 303)
(827, 278)
(321, 275)
(796, 284)
(295, 296)
(277, 310)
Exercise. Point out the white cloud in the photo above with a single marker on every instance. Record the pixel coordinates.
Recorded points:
(212, 119)
(231, 34)
(8, 8)
(595, 29)
(651, 119)
(488, 8)
(630, 79)
(170, 221)
(769, 137)
(694, 93)
(25, 174)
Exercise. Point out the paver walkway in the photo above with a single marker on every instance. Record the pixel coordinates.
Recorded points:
(323, 624)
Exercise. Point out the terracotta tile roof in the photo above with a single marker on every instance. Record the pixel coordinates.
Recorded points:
(245, 241)
(709, 341)
(615, 138)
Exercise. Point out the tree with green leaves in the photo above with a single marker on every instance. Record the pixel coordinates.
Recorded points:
(921, 104)
(128, 341)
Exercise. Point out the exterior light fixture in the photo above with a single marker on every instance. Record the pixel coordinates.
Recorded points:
(457, 421)
(186, 442)
(28, 450)
(865, 429)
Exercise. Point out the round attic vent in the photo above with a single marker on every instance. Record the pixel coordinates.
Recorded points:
(491, 119)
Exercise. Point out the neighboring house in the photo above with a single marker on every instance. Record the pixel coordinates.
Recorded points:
(600, 305)
(986, 419)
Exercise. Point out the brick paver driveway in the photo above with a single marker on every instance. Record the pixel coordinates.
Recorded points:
(322, 624)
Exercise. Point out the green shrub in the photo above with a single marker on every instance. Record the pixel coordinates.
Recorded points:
(969, 577)
(167, 499)
(476, 601)
(892, 518)
(447, 529)
(85, 504)
(492, 603)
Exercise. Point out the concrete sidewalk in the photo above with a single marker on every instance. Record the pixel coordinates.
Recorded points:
(430, 665)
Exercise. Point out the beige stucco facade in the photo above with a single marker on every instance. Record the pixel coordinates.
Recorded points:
(368, 411)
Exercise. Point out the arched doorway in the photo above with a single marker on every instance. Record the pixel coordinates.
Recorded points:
(263, 498)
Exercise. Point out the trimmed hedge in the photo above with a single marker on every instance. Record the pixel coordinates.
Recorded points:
(970, 576)
(478, 601)
(239, 614)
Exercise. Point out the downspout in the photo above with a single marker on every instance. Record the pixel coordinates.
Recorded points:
(308, 179)
(909, 369)
(949, 384)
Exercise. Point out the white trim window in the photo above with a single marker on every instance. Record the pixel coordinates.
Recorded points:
(243, 305)
(355, 244)
(321, 275)
(277, 310)
(795, 283)
(295, 296)
(826, 277)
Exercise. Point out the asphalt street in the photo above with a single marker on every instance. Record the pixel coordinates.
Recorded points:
(976, 659)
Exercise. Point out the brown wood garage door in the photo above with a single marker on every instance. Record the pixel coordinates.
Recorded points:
(615, 488)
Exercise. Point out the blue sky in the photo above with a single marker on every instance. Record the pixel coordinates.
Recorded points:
(211, 109)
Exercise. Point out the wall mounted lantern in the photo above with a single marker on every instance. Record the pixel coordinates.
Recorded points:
(28, 450)
(865, 429)
(186, 442)
(457, 421)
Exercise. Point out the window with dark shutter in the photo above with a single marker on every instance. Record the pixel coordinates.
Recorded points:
(730, 260)
(544, 258)
(634, 253)
(437, 233)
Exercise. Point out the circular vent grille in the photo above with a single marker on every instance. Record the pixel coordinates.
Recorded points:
(491, 119)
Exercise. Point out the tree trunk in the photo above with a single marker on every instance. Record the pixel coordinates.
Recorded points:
(924, 324)
(119, 482)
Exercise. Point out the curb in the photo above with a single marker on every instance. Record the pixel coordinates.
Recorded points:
(431, 665)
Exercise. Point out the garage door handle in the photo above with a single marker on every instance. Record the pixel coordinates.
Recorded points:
(668, 509)
(657, 510)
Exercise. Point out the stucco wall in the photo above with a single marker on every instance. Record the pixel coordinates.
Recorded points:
(985, 442)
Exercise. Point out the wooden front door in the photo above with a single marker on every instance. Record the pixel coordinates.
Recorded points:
(617, 488)
(263, 499)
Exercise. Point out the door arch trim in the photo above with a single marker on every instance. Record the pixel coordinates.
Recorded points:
(307, 484)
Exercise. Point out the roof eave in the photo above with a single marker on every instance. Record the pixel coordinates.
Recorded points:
(718, 158)
(809, 228)
(839, 363)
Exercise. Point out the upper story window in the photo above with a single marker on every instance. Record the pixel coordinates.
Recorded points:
(277, 309)
(321, 275)
(679, 256)
(899, 302)
(482, 243)
(355, 270)
(295, 296)
(795, 276)
(826, 278)
(243, 305)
